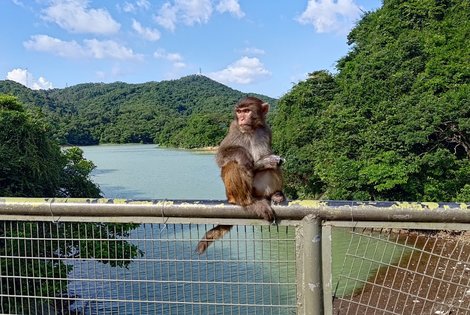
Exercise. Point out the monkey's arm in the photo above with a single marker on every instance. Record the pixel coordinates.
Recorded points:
(234, 153)
(269, 162)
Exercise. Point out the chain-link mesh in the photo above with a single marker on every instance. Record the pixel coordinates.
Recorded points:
(388, 271)
(93, 268)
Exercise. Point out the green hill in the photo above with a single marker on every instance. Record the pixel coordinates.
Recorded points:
(190, 112)
(394, 122)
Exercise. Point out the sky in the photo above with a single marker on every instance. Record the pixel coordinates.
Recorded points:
(254, 46)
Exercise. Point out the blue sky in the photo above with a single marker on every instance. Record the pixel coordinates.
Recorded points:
(260, 46)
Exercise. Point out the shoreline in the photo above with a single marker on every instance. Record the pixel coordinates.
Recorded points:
(205, 149)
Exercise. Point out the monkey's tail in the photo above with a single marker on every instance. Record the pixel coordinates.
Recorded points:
(212, 235)
(261, 207)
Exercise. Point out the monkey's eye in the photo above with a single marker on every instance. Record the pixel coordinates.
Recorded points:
(243, 111)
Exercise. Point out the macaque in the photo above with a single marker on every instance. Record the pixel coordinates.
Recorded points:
(250, 172)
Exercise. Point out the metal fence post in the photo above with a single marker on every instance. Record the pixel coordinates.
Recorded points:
(327, 270)
(309, 271)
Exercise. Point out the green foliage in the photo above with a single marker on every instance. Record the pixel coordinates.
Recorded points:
(396, 126)
(76, 181)
(32, 165)
(202, 130)
(8, 102)
(161, 113)
(295, 125)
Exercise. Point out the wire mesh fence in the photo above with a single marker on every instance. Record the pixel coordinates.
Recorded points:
(138, 257)
(394, 271)
(94, 268)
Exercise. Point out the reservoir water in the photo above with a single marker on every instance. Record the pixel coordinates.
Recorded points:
(236, 274)
(139, 171)
(148, 172)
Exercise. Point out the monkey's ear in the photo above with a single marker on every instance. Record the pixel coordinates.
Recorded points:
(265, 108)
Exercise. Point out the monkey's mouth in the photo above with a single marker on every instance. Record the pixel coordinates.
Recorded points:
(245, 127)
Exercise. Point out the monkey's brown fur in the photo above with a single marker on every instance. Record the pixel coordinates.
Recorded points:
(237, 182)
(249, 170)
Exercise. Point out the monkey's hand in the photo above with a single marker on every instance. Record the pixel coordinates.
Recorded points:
(270, 162)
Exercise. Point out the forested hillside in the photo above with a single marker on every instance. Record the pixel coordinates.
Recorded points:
(394, 122)
(193, 111)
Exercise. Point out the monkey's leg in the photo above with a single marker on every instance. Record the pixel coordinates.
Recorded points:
(238, 184)
(267, 183)
(213, 234)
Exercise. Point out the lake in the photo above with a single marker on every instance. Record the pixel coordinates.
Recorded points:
(148, 172)
(237, 273)
(139, 171)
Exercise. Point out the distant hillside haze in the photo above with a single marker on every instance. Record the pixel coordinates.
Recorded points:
(190, 112)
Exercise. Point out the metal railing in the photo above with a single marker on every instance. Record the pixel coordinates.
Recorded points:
(104, 256)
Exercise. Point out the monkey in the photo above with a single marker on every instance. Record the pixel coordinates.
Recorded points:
(250, 171)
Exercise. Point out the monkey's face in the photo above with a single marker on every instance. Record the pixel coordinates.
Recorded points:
(250, 114)
(246, 118)
(244, 115)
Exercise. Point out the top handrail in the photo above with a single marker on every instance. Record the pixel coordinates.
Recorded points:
(334, 210)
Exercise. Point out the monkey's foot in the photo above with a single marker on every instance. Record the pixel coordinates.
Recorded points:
(263, 209)
(278, 197)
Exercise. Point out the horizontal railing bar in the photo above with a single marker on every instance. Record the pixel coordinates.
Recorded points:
(137, 260)
(400, 225)
(145, 220)
(293, 210)
(142, 281)
(150, 301)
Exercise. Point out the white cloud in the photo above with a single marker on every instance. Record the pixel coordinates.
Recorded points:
(19, 3)
(176, 59)
(167, 16)
(188, 12)
(127, 7)
(56, 46)
(330, 15)
(243, 71)
(130, 7)
(108, 49)
(91, 48)
(230, 6)
(75, 16)
(143, 4)
(147, 33)
(24, 77)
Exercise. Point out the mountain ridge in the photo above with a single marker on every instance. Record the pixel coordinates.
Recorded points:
(193, 111)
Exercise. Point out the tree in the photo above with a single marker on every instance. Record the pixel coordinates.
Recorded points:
(295, 124)
(398, 125)
(32, 165)
(202, 130)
